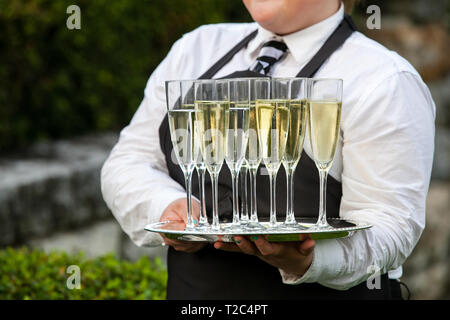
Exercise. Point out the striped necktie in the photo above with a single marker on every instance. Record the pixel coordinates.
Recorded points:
(271, 52)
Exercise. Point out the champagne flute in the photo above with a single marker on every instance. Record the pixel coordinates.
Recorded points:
(212, 107)
(237, 136)
(294, 144)
(259, 89)
(187, 102)
(181, 126)
(272, 117)
(325, 104)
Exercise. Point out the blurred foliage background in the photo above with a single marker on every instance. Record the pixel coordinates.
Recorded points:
(56, 82)
(32, 274)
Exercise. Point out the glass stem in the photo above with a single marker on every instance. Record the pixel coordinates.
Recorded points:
(254, 212)
(235, 182)
(215, 191)
(187, 181)
(290, 218)
(273, 204)
(201, 186)
(244, 205)
(322, 221)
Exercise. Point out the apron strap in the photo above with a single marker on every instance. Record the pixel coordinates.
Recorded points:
(228, 56)
(334, 41)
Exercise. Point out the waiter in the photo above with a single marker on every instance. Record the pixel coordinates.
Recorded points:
(380, 173)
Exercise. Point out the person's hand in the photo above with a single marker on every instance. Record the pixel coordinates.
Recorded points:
(176, 211)
(292, 257)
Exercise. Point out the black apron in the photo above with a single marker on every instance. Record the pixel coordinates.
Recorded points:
(216, 274)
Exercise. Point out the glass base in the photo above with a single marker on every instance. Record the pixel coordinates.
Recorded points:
(294, 226)
(322, 227)
(254, 225)
(191, 228)
(273, 227)
(216, 229)
(234, 227)
(203, 226)
(244, 221)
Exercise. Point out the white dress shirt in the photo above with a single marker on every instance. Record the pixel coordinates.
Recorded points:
(383, 158)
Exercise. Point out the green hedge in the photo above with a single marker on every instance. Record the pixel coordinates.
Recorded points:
(33, 274)
(56, 82)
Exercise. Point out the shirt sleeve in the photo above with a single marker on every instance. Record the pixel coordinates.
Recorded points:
(134, 179)
(387, 159)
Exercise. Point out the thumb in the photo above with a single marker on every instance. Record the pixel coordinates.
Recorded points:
(306, 247)
(175, 211)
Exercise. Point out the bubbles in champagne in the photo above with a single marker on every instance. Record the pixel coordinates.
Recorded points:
(212, 118)
(273, 122)
(324, 124)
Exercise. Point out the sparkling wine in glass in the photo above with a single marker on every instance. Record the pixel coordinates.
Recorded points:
(272, 117)
(181, 126)
(187, 102)
(212, 114)
(259, 89)
(294, 144)
(325, 104)
(237, 137)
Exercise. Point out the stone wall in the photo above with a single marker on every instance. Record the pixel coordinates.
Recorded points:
(50, 198)
(96, 239)
(53, 187)
(427, 270)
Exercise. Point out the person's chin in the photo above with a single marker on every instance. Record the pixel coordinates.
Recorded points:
(269, 25)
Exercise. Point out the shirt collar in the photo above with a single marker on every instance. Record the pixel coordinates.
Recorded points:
(302, 44)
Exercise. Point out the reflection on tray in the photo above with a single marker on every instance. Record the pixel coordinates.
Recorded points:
(170, 225)
(335, 223)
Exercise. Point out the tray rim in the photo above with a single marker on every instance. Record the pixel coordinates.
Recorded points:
(359, 225)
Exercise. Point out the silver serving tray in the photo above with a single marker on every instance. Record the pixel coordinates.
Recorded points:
(341, 228)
